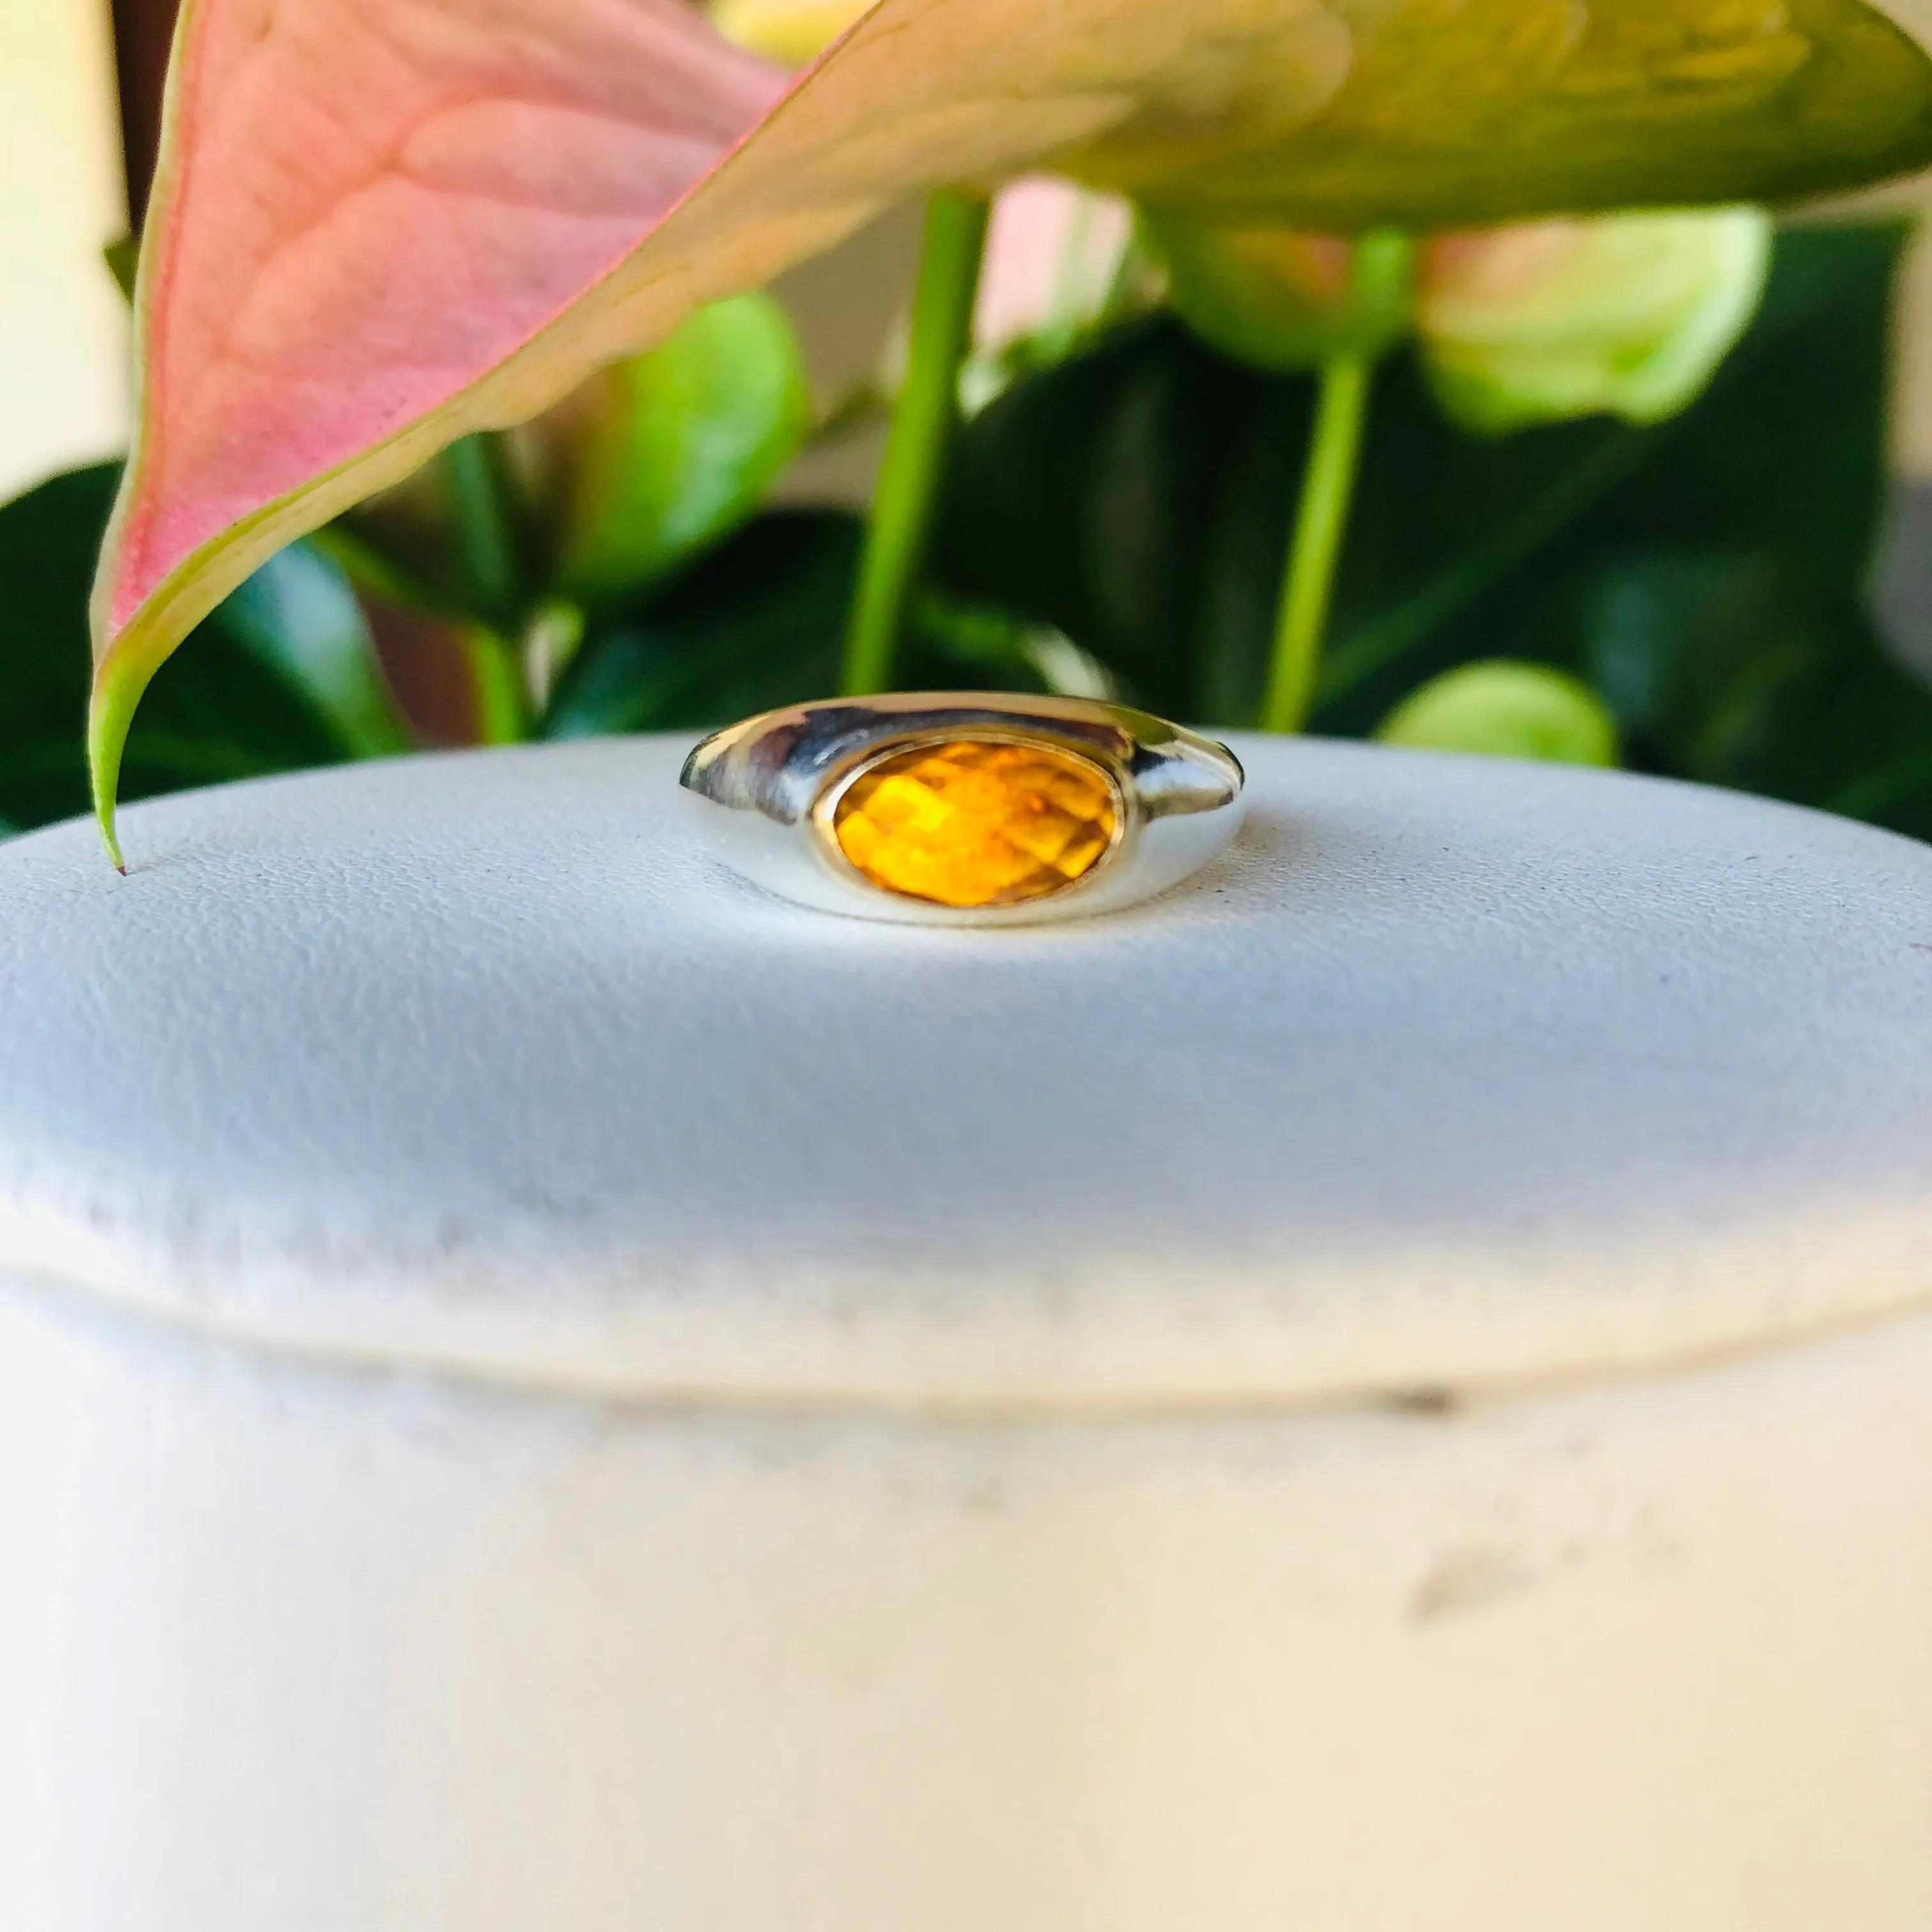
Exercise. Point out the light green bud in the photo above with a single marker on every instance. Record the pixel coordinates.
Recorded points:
(1279, 298)
(1628, 315)
(1506, 710)
(663, 454)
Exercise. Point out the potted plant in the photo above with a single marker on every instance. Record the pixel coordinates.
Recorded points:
(541, 1384)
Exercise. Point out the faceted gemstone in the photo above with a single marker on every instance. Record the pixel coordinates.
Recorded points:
(974, 822)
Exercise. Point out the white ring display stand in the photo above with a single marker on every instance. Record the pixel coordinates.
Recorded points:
(1388, 1390)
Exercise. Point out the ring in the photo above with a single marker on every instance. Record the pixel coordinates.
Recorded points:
(964, 808)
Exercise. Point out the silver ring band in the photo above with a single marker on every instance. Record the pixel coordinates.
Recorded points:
(963, 808)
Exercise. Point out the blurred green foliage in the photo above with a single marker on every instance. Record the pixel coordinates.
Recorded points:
(1118, 520)
(1705, 575)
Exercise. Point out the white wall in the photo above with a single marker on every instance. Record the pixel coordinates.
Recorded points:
(63, 326)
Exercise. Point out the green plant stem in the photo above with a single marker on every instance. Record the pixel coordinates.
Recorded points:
(922, 421)
(497, 686)
(1537, 521)
(1321, 520)
(483, 525)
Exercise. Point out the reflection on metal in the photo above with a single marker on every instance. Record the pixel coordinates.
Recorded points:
(964, 808)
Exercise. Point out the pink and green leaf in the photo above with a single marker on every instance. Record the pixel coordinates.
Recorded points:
(363, 206)
(381, 224)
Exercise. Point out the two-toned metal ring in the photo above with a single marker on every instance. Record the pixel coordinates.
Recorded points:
(959, 809)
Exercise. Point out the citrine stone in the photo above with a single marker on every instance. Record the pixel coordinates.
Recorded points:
(976, 822)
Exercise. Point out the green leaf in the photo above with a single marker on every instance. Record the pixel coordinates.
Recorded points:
(1090, 497)
(1490, 112)
(1731, 669)
(760, 623)
(453, 541)
(298, 617)
(282, 677)
(669, 451)
(756, 624)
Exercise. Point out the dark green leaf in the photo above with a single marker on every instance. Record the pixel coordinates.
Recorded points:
(760, 623)
(1088, 497)
(757, 623)
(453, 541)
(273, 684)
(298, 617)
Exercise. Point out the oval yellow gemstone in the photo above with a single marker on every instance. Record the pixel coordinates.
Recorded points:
(973, 822)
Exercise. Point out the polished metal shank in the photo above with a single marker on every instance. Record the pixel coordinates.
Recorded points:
(763, 791)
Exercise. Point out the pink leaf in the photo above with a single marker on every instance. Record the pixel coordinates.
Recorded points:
(371, 202)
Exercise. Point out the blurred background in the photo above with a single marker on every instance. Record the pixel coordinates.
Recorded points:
(80, 87)
(80, 91)
(64, 194)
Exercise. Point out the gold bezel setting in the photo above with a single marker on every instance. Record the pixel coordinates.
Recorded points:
(767, 792)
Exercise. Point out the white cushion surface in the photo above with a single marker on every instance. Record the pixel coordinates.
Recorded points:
(1454, 1072)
